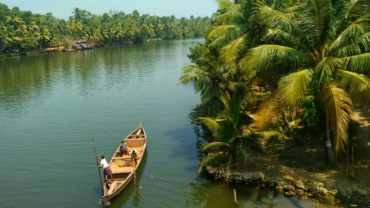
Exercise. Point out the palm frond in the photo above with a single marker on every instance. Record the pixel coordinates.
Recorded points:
(266, 58)
(192, 69)
(216, 147)
(225, 5)
(268, 111)
(195, 75)
(219, 42)
(230, 32)
(230, 52)
(211, 125)
(225, 102)
(358, 63)
(350, 36)
(281, 37)
(274, 18)
(210, 160)
(293, 86)
(356, 7)
(338, 108)
(357, 85)
(185, 79)
(325, 68)
(315, 21)
(355, 47)
(231, 12)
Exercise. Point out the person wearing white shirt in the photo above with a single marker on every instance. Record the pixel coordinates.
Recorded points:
(104, 164)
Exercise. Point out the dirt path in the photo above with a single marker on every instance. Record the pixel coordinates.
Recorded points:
(309, 161)
(362, 146)
(312, 155)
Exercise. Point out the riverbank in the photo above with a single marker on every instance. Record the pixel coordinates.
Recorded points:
(303, 186)
(277, 163)
(62, 49)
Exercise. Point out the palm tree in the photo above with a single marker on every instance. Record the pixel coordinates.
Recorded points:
(13, 19)
(77, 13)
(4, 38)
(55, 41)
(226, 128)
(324, 48)
(74, 26)
(41, 35)
(206, 79)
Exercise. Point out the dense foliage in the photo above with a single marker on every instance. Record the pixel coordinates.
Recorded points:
(23, 30)
(312, 56)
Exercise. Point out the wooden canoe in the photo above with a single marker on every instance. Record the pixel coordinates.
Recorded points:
(123, 169)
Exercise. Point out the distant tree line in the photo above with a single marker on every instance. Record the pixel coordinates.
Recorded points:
(26, 31)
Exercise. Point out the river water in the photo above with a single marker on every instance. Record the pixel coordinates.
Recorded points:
(52, 104)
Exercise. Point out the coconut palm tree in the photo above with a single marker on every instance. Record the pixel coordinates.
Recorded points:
(5, 38)
(242, 26)
(13, 19)
(77, 13)
(42, 35)
(205, 77)
(226, 128)
(324, 48)
(75, 26)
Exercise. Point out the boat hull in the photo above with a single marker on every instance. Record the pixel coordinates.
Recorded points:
(123, 169)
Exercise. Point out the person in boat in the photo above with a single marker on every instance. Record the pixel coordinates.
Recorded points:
(134, 155)
(123, 149)
(104, 164)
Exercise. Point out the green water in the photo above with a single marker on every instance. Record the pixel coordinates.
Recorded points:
(51, 105)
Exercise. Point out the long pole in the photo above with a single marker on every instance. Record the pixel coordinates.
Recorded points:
(97, 162)
(235, 201)
(353, 173)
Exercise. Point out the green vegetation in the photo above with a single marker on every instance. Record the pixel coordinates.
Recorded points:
(25, 31)
(227, 128)
(313, 57)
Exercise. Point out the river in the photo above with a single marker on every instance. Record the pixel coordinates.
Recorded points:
(52, 104)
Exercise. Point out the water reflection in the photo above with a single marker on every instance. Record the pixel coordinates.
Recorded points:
(215, 194)
(29, 78)
(132, 191)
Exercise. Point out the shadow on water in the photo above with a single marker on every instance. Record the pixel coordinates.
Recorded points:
(132, 191)
(215, 194)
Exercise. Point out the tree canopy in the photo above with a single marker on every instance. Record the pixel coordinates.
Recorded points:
(24, 30)
(317, 50)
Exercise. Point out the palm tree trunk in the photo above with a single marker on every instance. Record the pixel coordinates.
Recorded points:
(329, 150)
(295, 137)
